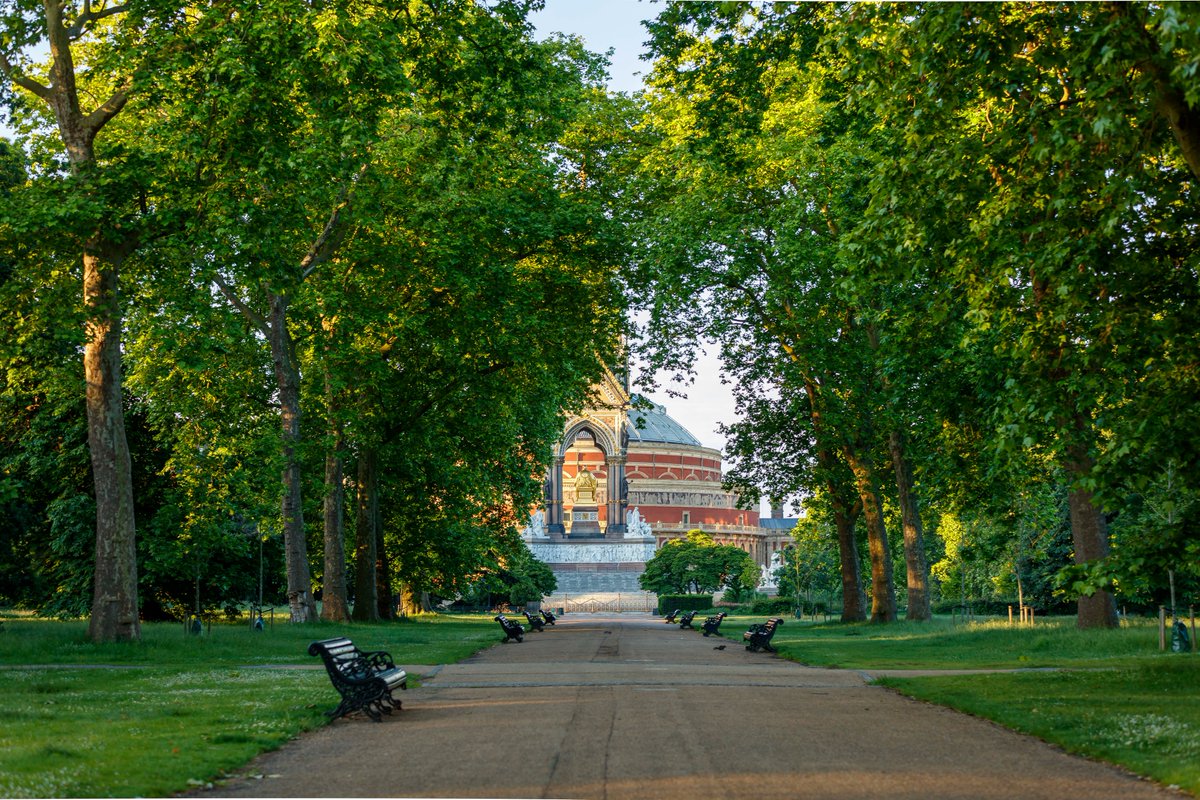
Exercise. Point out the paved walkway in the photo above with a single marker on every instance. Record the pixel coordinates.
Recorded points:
(628, 707)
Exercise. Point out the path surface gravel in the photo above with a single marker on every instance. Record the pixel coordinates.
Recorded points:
(625, 706)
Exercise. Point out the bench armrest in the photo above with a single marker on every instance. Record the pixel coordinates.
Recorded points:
(379, 660)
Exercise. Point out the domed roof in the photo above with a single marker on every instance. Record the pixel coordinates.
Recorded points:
(654, 425)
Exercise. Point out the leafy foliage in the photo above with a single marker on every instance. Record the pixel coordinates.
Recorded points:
(696, 564)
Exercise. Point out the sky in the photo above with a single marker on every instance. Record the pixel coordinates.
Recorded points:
(616, 24)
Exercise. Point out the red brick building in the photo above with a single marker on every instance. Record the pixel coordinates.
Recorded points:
(613, 460)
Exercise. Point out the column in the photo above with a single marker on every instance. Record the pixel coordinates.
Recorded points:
(554, 502)
(617, 498)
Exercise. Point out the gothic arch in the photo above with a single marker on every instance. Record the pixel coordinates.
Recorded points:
(601, 434)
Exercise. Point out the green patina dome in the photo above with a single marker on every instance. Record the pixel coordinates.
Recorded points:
(655, 425)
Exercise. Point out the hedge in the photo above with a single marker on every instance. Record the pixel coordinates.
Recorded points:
(683, 602)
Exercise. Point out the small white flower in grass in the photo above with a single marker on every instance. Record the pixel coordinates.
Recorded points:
(1155, 731)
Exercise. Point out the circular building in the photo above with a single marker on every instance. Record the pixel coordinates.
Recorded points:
(624, 481)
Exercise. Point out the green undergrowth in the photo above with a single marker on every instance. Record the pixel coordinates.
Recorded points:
(1145, 718)
(943, 644)
(175, 710)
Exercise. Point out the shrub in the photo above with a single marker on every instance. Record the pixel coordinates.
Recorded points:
(684, 602)
(773, 606)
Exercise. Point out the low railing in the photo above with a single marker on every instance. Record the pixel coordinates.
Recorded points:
(602, 603)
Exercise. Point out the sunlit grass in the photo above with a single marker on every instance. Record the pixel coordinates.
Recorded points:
(177, 710)
(1145, 718)
(944, 644)
(431, 639)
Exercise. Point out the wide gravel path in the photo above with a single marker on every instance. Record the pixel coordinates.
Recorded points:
(626, 706)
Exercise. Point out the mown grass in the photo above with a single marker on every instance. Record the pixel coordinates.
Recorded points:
(427, 639)
(175, 710)
(1145, 718)
(1109, 695)
(942, 644)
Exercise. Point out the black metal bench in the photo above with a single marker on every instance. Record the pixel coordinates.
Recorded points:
(512, 630)
(547, 617)
(686, 620)
(365, 680)
(712, 624)
(759, 636)
(670, 618)
(535, 623)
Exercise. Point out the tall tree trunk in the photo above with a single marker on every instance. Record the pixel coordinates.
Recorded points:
(114, 599)
(883, 589)
(916, 565)
(334, 607)
(366, 606)
(383, 573)
(1089, 533)
(854, 602)
(114, 596)
(299, 578)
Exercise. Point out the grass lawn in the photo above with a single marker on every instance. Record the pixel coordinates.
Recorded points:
(175, 710)
(941, 644)
(1145, 718)
(1114, 696)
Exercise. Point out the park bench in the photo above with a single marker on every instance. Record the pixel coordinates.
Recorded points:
(512, 630)
(535, 623)
(670, 618)
(712, 624)
(547, 617)
(759, 636)
(365, 680)
(686, 620)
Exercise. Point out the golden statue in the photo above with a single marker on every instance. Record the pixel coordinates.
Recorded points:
(585, 487)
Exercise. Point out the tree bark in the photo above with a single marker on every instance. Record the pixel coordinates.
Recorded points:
(883, 589)
(1089, 533)
(287, 377)
(916, 565)
(334, 607)
(366, 606)
(383, 573)
(854, 602)
(114, 594)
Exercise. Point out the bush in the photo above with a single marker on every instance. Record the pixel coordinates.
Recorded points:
(773, 606)
(684, 602)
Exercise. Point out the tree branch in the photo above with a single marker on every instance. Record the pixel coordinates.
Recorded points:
(88, 16)
(327, 243)
(20, 80)
(106, 111)
(253, 317)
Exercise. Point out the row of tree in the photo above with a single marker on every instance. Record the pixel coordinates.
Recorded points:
(357, 260)
(948, 253)
(328, 252)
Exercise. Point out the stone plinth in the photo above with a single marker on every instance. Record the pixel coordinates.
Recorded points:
(585, 522)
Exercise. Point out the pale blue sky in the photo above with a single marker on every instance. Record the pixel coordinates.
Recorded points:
(604, 24)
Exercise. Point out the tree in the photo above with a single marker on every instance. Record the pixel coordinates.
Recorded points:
(810, 566)
(1061, 213)
(696, 564)
(746, 204)
(104, 225)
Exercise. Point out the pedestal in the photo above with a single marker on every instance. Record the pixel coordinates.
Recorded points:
(585, 522)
